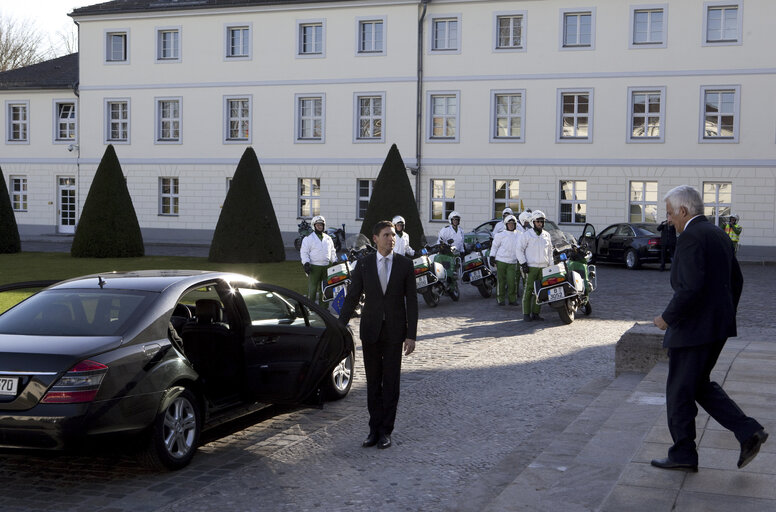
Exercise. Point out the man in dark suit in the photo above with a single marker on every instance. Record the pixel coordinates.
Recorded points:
(701, 315)
(389, 319)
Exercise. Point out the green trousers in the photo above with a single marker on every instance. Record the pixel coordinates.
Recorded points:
(529, 299)
(314, 280)
(507, 277)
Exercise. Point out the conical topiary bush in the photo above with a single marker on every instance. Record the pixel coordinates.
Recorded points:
(9, 231)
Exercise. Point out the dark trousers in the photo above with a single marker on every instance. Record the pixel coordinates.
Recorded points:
(665, 255)
(382, 363)
(688, 382)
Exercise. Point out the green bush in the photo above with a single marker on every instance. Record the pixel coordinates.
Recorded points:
(9, 231)
(108, 226)
(247, 229)
(392, 195)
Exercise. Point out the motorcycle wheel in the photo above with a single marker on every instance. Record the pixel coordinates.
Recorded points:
(566, 313)
(455, 294)
(298, 244)
(587, 308)
(485, 290)
(431, 298)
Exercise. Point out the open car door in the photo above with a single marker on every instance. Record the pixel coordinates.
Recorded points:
(588, 237)
(289, 347)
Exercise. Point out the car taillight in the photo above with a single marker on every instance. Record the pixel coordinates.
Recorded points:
(80, 384)
(553, 280)
(653, 241)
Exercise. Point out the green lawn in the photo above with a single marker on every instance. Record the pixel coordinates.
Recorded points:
(35, 266)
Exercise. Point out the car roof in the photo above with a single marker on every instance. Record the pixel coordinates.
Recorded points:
(148, 280)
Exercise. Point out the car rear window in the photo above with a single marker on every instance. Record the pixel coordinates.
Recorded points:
(75, 312)
(646, 230)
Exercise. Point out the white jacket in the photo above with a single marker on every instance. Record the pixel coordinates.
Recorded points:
(316, 251)
(536, 250)
(499, 227)
(447, 232)
(504, 247)
(402, 245)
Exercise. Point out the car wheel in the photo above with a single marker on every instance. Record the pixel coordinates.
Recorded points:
(175, 433)
(341, 379)
(631, 259)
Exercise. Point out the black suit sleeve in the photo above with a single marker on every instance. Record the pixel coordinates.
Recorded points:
(411, 297)
(736, 282)
(353, 294)
(688, 277)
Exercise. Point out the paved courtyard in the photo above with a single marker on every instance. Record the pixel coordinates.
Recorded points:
(476, 392)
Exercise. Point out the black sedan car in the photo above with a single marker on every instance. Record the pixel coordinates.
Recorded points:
(161, 355)
(485, 232)
(628, 243)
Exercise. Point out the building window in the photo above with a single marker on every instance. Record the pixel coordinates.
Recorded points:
(646, 115)
(578, 29)
(365, 188)
(720, 114)
(238, 119)
(508, 116)
(309, 118)
(168, 196)
(445, 34)
(369, 118)
(443, 116)
(506, 194)
(575, 116)
(510, 31)
(18, 127)
(310, 38)
(238, 42)
(442, 199)
(117, 122)
(722, 23)
(116, 46)
(573, 202)
(371, 36)
(66, 121)
(168, 44)
(648, 27)
(18, 193)
(168, 120)
(309, 197)
(717, 200)
(643, 201)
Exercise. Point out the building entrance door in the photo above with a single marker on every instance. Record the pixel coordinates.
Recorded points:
(66, 210)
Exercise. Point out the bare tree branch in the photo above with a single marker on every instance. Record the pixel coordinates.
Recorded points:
(20, 44)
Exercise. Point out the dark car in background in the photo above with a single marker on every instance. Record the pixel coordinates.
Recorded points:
(485, 232)
(161, 355)
(630, 243)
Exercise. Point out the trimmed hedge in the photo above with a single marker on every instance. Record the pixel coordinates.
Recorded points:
(9, 231)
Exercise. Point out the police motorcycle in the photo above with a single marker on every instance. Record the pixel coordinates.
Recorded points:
(305, 228)
(437, 271)
(567, 284)
(338, 275)
(477, 270)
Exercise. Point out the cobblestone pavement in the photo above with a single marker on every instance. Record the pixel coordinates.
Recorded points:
(480, 383)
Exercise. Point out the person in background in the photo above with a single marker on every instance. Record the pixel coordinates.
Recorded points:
(534, 252)
(317, 253)
(501, 225)
(402, 245)
(733, 230)
(453, 232)
(667, 243)
(503, 252)
(525, 220)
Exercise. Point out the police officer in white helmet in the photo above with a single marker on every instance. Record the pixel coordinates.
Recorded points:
(402, 245)
(453, 231)
(501, 225)
(317, 252)
(534, 252)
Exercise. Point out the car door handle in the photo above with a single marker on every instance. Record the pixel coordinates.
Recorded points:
(264, 340)
(151, 349)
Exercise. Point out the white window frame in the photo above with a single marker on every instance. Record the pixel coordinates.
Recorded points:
(176, 50)
(432, 43)
(107, 102)
(559, 117)
(507, 201)
(18, 190)
(632, 91)
(173, 195)
(357, 117)
(228, 139)
(360, 22)
(23, 124)
(716, 204)
(228, 28)
(663, 43)
(312, 197)
(298, 121)
(523, 32)
(494, 137)
(709, 6)
(359, 197)
(580, 11)
(158, 120)
(107, 34)
(300, 25)
(643, 202)
(573, 202)
(736, 89)
(430, 95)
(443, 199)
(57, 121)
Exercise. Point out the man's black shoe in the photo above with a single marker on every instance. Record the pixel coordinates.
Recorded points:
(370, 440)
(669, 464)
(536, 316)
(751, 447)
(385, 441)
(527, 318)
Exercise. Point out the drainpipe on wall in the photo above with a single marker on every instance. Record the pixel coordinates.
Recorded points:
(78, 131)
(419, 105)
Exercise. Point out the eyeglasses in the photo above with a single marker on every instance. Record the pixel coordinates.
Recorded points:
(539, 220)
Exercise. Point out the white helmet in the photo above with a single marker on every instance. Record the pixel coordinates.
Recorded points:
(510, 218)
(734, 216)
(524, 217)
(398, 219)
(507, 211)
(452, 215)
(536, 215)
(317, 219)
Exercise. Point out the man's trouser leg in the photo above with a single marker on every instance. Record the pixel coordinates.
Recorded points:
(382, 365)
(512, 277)
(529, 300)
(314, 280)
(501, 278)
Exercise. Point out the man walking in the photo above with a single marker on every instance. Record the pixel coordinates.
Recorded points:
(667, 243)
(701, 315)
(534, 252)
(388, 319)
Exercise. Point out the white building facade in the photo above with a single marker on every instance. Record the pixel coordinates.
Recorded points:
(590, 111)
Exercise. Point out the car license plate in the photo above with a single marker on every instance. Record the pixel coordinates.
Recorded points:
(421, 281)
(554, 294)
(8, 385)
(476, 275)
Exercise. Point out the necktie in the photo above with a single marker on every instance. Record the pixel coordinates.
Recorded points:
(383, 273)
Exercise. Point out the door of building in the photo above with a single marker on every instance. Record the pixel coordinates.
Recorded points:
(66, 204)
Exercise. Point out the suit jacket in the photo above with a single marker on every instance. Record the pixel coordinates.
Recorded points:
(707, 283)
(399, 304)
